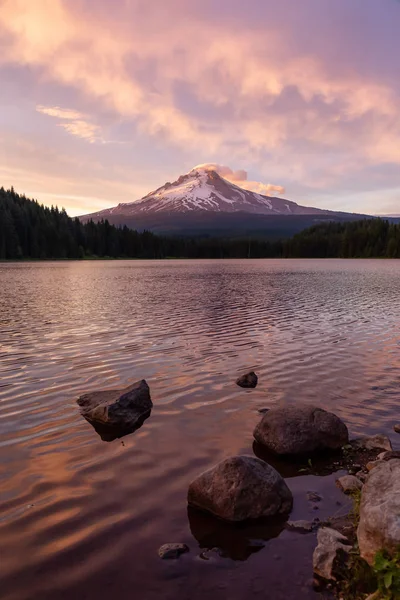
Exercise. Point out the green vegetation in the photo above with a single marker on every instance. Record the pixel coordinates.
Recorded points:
(387, 572)
(358, 578)
(28, 230)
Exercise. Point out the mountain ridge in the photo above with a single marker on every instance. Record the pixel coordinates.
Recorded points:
(205, 190)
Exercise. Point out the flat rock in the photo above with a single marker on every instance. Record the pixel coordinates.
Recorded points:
(332, 549)
(300, 430)
(249, 380)
(302, 525)
(115, 413)
(379, 441)
(349, 484)
(171, 551)
(241, 488)
(379, 525)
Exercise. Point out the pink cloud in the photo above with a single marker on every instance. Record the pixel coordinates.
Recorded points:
(239, 177)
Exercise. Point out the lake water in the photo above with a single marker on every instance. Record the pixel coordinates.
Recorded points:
(83, 519)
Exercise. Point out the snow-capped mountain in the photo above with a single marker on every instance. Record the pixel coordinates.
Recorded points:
(204, 190)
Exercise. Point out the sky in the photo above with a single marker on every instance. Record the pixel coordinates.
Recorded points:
(103, 101)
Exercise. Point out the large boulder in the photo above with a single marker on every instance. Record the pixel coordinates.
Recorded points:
(379, 526)
(241, 488)
(330, 554)
(300, 430)
(115, 413)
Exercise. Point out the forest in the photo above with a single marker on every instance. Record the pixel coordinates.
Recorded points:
(28, 230)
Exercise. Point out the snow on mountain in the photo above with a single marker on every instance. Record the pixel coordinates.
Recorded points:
(203, 189)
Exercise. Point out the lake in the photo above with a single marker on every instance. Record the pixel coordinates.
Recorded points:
(82, 518)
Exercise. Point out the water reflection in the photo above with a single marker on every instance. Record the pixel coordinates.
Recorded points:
(237, 541)
(81, 518)
(109, 433)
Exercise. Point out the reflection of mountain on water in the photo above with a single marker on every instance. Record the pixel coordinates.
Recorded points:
(236, 541)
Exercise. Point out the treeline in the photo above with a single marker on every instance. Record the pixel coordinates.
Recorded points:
(29, 230)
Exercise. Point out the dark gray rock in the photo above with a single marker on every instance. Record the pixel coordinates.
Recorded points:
(249, 380)
(241, 488)
(300, 430)
(170, 551)
(115, 413)
(379, 525)
(262, 411)
(332, 550)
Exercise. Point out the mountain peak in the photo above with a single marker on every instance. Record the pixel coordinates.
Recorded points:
(202, 189)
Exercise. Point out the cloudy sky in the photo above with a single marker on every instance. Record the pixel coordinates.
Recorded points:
(102, 101)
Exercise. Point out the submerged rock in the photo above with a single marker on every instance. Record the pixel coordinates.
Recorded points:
(313, 496)
(241, 488)
(300, 430)
(170, 551)
(349, 484)
(115, 413)
(373, 442)
(303, 526)
(249, 380)
(379, 526)
(330, 554)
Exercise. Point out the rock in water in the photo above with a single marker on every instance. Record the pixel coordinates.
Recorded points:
(349, 483)
(249, 380)
(332, 550)
(115, 413)
(168, 551)
(379, 526)
(300, 430)
(396, 428)
(241, 488)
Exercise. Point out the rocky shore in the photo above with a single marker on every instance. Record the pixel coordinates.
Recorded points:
(357, 556)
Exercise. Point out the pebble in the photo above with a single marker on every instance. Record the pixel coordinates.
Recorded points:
(168, 551)
(314, 497)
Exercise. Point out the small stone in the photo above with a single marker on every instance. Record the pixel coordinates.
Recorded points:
(314, 497)
(396, 428)
(262, 411)
(249, 380)
(349, 483)
(332, 546)
(171, 551)
(374, 442)
(303, 526)
(381, 456)
(372, 464)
